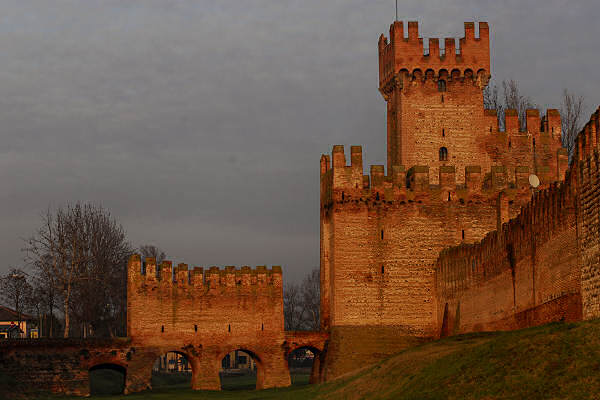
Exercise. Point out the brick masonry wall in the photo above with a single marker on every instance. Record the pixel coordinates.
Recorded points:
(212, 313)
(381, 234)
(532, 261)
(33, 367)
(588, 144)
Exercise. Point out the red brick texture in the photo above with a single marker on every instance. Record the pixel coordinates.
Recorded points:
(530, 265)
(207, 315)
(588, 224)
(203, 316)
(452, 177)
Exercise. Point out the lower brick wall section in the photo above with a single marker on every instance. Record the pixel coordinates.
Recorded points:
(565, 308)
(354, 347)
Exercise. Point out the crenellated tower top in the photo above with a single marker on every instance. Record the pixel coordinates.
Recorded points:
(408, 54)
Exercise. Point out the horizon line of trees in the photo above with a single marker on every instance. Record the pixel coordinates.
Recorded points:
(76, 279)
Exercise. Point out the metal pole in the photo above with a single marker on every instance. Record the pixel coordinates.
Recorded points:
(396, 10)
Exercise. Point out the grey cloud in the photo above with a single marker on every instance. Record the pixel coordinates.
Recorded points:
(199, 124)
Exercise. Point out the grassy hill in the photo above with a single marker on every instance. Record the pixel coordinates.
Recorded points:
(556, 361)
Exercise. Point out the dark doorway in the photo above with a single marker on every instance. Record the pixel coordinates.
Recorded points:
(107, 379)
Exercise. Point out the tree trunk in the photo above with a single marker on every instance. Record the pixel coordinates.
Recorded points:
(66, 303)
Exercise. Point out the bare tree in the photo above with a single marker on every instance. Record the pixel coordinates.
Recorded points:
(149, 250)
(511, 99)
(490, 97)
(293, 307)
(311, 298)
(45, 295)
(16, 291)
(571, 118)
(79, 251)
(301, 303)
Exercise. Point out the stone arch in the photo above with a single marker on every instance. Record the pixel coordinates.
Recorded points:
(443, 74)
(317, 366)
(455, 74)
(417, 74)
(443, 154)
(259, 361)
(468, 73)
(102, 373)
(429, 73)
(481, 74)
(191, 364)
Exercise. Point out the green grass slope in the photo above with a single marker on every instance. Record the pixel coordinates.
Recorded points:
(556, 361)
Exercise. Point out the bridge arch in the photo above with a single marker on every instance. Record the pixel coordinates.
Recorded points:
(296, 366)
(107, 378)
(258, 358)
(181, 365)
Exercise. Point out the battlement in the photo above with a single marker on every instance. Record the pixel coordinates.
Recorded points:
(550, 211)
(549, 125)
(472, 57)
(588, 140)
(148, 273)
(348, 183)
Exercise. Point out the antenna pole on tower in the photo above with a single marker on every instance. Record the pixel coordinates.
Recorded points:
(396, 10)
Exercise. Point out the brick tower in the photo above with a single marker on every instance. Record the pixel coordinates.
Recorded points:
(452, 176)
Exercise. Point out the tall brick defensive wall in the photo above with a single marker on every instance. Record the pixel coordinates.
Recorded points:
(448, 163)
(540, 267)
(202, 315)
(525, 274)
(588, 222)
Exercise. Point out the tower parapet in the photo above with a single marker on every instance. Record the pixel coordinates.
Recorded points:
(472, 57)
(183, 278)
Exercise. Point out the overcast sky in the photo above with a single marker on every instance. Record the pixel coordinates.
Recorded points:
(199, 124)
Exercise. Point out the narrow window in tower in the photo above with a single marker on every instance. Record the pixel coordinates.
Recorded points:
(441, 85)
(342, 196)
(509, 144)
(463, 234)
(490, 129)
(262, 327)
(442, 98)
(443, 154)
(449, 196)
(229, 328)
(162, 328)
(382, 234)
(195, 328)
(443, 132)
(382, 269)
(533, 142)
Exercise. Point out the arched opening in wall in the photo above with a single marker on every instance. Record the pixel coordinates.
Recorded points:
(171, 370)
(107, 379)
(240, 370)
(303, 364)
(443, 154)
